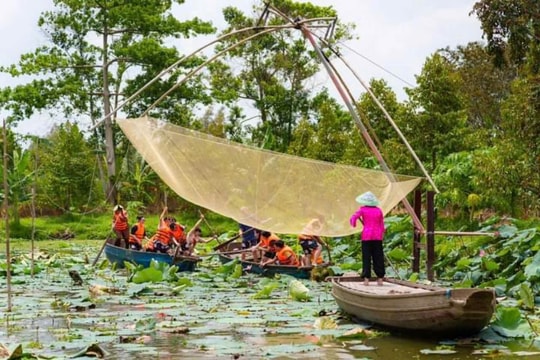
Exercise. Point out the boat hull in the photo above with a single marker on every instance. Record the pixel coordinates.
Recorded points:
(119, 255)
(270, 270)
(408, 306)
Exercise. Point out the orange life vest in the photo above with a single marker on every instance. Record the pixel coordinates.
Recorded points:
(120, 221)
(178, 233)
(138, 236)
(163, 236)
(286, 256)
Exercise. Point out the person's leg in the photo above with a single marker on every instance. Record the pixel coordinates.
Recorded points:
(378, 260)
(316, 254)
(118, 240)
(125, 236)
(366, 260)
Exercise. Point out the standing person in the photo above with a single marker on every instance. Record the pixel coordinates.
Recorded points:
(372, 235)
(312, 246)
(120, 226)
(250, 237)
(138, 234)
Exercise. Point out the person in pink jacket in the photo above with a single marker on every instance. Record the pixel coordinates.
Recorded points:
(372, 218)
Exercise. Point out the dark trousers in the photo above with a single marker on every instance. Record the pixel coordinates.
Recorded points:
(372, 250)
(122, 235)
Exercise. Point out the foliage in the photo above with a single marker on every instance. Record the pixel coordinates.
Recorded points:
(65, 154)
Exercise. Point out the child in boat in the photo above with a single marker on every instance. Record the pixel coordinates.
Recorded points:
(193, 237)
(284, 255)
(138, 234)
(312, 246)
(371, 216)
(263, 247)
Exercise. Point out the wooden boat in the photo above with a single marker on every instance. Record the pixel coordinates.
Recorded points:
(399, 304)
(118, 255)
(230, 251)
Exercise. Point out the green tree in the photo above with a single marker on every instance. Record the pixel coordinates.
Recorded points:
(512, 30)
(484, 88)
(100, 52)
(325, 137)
(437, 123)
(67, 171)
(19, 179)
(274, 71)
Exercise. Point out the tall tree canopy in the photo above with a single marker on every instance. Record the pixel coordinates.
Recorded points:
(101, 51)
(275, 72)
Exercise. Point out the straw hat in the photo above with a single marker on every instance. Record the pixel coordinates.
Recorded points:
(367, 199)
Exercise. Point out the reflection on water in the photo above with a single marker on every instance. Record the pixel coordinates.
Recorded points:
(216, 318)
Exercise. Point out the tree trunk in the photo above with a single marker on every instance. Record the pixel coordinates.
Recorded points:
(110, 195)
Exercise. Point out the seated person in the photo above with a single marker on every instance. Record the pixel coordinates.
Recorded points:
(284, 255)
(263, 247)
(312, 249)
(138, 234)
(163, 239)
(179, 235)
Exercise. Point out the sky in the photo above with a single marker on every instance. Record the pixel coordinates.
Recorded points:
(397, 35)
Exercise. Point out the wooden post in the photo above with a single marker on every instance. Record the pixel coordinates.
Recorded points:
(430, 235)
(417, 236)
(5, 210)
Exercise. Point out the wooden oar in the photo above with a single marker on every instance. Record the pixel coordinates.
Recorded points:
(227, 241)
(210, 227)
(101, 250)
(232, 252)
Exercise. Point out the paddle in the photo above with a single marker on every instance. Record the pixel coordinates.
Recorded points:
(210, 227)
(101, 250)
(239, 251)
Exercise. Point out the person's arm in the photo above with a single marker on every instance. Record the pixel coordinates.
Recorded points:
(269, 261)
(321, 241)
(163, 213)
(189, 235)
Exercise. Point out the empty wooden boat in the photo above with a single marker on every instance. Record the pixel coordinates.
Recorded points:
(400, 304)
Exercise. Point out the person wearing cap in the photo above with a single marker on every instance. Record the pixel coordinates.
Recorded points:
(120, 226)
(138, 234)
(372, 219)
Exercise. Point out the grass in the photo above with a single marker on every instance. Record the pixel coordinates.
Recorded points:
(95, 227)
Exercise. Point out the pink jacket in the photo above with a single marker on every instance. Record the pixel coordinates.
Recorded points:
(373, 220)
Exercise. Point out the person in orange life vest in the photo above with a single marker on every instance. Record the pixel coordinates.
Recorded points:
(163, 239)
(284, 255)
(194, 236)
(138, 234)
(263, 247)
(178, 234)
(120, 226)
(312, 246)
(371, 216)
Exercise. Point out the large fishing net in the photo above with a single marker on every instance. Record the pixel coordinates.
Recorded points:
(264, 189)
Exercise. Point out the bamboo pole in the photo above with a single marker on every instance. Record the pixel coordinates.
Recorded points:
(465, 233)
(6, 218)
